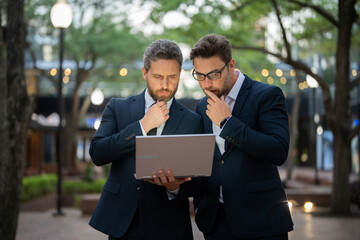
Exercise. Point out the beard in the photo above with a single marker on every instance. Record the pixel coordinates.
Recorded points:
(224, 90)
(155, 94)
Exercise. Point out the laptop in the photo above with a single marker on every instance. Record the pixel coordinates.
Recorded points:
(188, 155)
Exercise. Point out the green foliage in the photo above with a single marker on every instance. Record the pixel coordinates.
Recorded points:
(251, 63)
(88, 175)
(213, 17)
(40, 185)
(97, 35)
(36, 186)
(73, 187)
(37, 14)
(103, 39)
(77, 200)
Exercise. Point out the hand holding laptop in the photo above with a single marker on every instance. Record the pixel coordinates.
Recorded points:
(167, 180)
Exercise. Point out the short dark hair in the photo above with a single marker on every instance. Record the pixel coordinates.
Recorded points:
(212, 45)
(162, 49)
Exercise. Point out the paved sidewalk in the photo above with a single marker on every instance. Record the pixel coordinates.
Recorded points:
(74, 226)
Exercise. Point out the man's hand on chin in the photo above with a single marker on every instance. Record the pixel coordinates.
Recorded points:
(217, 108)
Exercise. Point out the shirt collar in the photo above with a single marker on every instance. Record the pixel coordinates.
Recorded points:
(237, 86)
(149, 101)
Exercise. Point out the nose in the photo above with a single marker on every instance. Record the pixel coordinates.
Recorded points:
(207, 82)
(164, 84)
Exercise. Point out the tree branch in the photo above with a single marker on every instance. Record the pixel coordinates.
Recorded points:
(319, 10)
(259, 49)
(87, 102)
(33, 57)
(354, 83)
(354, 132)
(283, 31)
(85, 106)
(298, 66)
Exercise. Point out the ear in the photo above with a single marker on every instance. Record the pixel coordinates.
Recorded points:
(232, 65)
(144, 72)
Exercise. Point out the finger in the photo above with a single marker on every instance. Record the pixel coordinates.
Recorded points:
(188, 179)
(161, 103)
(210, 101)
(182, 180)
(208, 113)
(162, 177)
(222, 98)
(170, 176)
(163, 107)
(149, 181)
(153, 106)
(211, 95)
(156, 180)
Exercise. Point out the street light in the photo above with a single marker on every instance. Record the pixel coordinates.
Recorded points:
(97, 97)
(61, 17)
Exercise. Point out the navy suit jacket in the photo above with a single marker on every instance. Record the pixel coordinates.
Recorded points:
(114, 142)
(257, 141)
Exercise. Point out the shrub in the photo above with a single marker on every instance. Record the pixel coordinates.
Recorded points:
(40, 185)
(73, 187)
(36, 186)
(88, 174)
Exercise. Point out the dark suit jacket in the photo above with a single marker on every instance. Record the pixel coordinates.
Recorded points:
(114, 142)
(257, 141)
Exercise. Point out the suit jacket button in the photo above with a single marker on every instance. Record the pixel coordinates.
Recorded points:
(222, 162)
(139, 188)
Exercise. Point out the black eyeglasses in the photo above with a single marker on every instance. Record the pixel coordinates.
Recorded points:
(211, 76)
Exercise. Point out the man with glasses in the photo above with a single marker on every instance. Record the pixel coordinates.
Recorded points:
(244, 197)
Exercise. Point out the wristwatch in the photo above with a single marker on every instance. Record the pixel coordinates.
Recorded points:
(222, 123)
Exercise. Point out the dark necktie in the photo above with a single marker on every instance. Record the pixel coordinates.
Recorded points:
(152, 131)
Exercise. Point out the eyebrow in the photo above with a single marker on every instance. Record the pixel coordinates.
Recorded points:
(212, 71)
(157, 74)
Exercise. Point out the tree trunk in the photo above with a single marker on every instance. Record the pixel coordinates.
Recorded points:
(294, 133)
(340, 199)
(18, 110)
(72, 120)
(4, 138)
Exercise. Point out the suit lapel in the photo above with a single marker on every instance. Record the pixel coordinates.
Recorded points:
(241, 98)
(176, 114)
(206, 119)
(208, 128)
(240, 101)
(137, 107)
